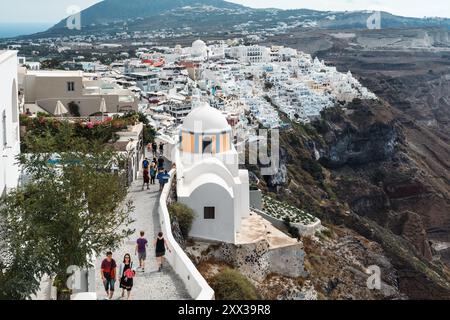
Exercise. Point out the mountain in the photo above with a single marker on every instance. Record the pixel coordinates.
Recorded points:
(119, 11)
(218, 16)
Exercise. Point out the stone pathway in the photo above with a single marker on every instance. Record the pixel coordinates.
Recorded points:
(151, 285)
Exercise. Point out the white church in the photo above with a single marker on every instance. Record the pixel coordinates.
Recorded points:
(208, 177)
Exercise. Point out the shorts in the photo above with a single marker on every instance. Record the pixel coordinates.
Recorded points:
(160, 254)
(142, 256)
(109, 284)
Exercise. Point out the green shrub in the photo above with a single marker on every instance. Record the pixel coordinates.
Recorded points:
(149, 134)
(313, 168)
(74, 109)
(232, 285)
(184, 215)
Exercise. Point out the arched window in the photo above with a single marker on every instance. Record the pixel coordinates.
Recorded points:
(15, 105)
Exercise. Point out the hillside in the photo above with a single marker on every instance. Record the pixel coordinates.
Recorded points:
(210, 16)
(360, 174)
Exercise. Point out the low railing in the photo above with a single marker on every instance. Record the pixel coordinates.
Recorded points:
(194, 282)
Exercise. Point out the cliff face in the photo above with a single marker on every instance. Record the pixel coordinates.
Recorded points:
(358, 167)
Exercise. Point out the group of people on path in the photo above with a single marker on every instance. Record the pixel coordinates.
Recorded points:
(127, 271)
(154, 148)
(154, 170)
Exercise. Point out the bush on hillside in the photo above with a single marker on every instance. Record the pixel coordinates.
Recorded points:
(184, 215)
(232, 285)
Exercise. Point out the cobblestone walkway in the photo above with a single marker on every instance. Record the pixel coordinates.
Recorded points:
(151, 285)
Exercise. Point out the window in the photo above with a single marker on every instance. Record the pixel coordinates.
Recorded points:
(15, 106)
(4, 141)
(207, 145)
(70, 86)
(210, 213)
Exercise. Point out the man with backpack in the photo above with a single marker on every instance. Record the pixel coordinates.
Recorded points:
(163, 178)
(145, 164)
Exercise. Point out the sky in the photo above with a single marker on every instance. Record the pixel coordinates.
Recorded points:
(52, 11)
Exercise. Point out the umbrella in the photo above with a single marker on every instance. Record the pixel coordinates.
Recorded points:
(103, 107)
(60, 109)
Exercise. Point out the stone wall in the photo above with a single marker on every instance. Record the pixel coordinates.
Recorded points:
(256, 199)
(304, 230)
(256, 260)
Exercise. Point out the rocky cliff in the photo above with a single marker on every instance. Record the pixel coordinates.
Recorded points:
(356, 168)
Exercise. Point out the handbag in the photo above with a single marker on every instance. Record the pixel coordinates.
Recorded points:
(129, 273)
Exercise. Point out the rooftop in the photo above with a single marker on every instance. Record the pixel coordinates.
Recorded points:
(5, 54)
(255, 229)
(55, 73)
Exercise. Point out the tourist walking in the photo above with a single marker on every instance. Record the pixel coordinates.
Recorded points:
(161, 163)
(141, 250)
(160, 245)
(161, 149)
(163, 178)
(127, 273)
(108, 274)
(154, 149)
(153, 173)
(145, 163)
(146, 179)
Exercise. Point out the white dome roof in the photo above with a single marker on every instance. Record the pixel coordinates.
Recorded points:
(198, 44)
(205, 119)
(199, 48)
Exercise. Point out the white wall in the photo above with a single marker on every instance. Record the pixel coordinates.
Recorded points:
(195, 284)
(222, 228)
(9, 169)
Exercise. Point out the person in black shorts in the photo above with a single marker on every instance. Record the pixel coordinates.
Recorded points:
(160, 245)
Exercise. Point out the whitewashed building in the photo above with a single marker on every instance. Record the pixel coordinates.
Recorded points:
(208, 177)
(45, 88)
(9, 122)
(250, 54)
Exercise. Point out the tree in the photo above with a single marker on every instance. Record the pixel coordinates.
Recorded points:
(66, 215)
(74, 109)
(51, 64)
(149, 131)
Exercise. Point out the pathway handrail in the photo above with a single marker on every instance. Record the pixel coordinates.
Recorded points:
(194, 282)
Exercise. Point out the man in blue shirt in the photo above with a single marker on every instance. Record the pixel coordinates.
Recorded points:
(163, 178)
(145, 163)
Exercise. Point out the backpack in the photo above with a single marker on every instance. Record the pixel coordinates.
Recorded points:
(146, 164)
